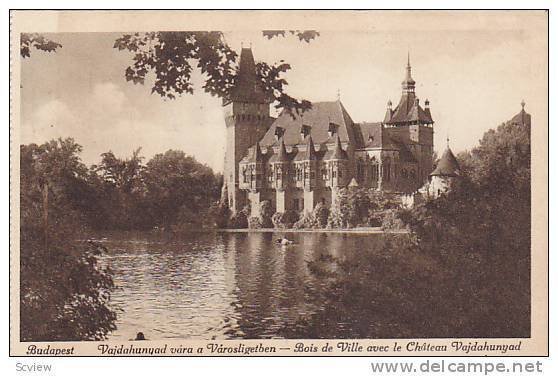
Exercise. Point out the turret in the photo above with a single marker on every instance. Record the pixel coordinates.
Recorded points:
(445, 175)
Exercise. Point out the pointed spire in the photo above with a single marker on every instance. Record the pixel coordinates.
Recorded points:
(523, 104)
(282, 153)
(310, 154)
(338, 152)
(255, 153)
(408, 83)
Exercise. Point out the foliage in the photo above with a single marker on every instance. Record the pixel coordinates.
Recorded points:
(219, 212)
(176, 181)
(302, 35)
(255, 223)
(38, 41)
(173, 56)
(283, 220)
(357, 207)
(64, 291)
(240, 218)
(315, 219)
(266, 213)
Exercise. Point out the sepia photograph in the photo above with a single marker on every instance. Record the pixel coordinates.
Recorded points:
(266, 181)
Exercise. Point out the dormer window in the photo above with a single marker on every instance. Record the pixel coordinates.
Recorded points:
(332, 129)
(304, 131)
(279, 132)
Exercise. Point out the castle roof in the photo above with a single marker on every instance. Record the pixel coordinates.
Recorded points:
(247, 87)
(408, 110)
(317, 120)
(447, 165)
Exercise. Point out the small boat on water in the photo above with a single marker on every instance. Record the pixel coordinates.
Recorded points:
(284, 241)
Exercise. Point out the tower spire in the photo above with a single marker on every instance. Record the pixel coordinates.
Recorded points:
(408, 83)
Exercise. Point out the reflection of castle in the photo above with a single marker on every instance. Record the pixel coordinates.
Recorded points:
(297, 161)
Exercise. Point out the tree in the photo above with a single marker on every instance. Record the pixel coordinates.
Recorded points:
(64, 292)
(171, 57)
(175, 181)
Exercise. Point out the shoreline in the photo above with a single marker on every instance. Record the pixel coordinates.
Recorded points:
(357, 230)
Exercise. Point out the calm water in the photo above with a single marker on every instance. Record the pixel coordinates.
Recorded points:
(217, 286)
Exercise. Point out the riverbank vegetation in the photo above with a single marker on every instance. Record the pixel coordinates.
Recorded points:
(64, 290)
(464, 271)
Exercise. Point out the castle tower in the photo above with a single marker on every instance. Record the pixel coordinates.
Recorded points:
(412, 125)
(447, 172)
(247, 119)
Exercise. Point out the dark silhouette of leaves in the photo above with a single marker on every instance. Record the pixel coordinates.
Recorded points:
(38, 41)
(303, 35)
(172, 57)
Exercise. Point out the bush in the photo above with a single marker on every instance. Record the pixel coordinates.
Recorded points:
(321, 215)
(240, 218)
(284, 220)
(266, 214)
(391, 220)
(255, 223)
(219, 213)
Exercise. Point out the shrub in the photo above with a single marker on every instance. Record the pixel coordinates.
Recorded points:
(284, 220)
(391, 220)
(266, 214)
(240, 218)
(320, 214)
(219, 213)
(255, 222)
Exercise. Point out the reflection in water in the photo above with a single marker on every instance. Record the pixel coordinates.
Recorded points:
(218, 286)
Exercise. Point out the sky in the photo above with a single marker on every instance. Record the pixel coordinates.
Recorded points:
(475, 78)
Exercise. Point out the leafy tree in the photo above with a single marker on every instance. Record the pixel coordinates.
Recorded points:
(174, 180)
(64, 292)
(173, 56)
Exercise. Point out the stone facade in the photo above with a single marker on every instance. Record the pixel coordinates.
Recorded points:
(298, 161)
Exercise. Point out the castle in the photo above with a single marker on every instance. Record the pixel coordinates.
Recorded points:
(296, 161)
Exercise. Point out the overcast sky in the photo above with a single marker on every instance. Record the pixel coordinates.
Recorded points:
(475, 78)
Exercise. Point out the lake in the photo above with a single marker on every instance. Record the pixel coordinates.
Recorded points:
(218, 285)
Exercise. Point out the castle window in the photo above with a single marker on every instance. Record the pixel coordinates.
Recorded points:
(360, 170)
(324, 173)
(374, 172)
(334, 174)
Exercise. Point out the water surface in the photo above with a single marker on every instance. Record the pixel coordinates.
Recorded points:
(218, 285)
